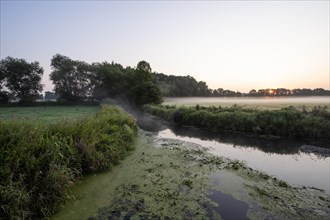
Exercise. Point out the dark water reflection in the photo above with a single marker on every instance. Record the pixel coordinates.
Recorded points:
(228, 207)
(265, 144)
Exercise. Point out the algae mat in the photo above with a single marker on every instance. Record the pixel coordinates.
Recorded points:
(171, 179)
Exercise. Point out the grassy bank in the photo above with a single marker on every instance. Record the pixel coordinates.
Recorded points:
(40, 160)
(286, 122)
(171, 179)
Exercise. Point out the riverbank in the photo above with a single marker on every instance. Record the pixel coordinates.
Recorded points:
(42, 158)
(172, 179)
(289, 122)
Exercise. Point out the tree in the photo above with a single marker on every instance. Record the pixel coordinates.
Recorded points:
(110, 80)
(72, 79)
(20, 78)
(203, 89)
(4, 98)
(146, 93)
(144, 89)
(143, 66)
(143, 72)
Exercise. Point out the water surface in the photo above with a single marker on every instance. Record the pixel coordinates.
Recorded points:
(228, 207)
(282, 160)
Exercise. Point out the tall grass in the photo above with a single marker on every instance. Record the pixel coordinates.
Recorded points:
(287, 122)
(40, 161)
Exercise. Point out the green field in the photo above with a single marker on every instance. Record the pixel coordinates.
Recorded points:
(47, 113)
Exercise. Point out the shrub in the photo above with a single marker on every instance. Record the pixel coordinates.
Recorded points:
(40, 161)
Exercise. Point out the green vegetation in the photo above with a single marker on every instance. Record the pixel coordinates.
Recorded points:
(40, 160)
(19, 79)
(47, 113)
(76, 80)
(286, 122)
(188, 86)
(170, 179)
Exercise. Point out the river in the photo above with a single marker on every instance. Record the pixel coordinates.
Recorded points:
(158, 180)
(285, 159)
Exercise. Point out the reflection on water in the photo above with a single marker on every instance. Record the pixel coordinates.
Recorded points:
(228, 207)
(280, 158)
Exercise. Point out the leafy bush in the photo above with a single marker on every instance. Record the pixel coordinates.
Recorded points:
(40, 161)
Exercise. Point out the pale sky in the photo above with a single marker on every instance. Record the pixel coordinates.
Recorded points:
(236, 45)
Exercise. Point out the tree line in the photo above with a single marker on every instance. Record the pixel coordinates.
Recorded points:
(179, 86)
(76, 81)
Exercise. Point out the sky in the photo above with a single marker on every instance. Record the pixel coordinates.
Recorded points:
(236, 45)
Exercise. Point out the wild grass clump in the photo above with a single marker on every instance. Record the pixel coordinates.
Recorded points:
(40, 161)
(287, 122)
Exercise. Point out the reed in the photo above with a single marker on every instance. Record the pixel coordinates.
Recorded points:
(287, 122)
(40, 161)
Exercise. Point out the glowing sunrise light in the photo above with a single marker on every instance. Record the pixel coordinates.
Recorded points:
(227, 44)
(271, 92)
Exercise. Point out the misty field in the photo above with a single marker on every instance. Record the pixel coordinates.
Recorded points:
(47, 113)
(269, 103)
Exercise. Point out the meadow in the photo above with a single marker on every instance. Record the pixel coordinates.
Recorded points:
(47, 113)
(261, 103)
(45, 151)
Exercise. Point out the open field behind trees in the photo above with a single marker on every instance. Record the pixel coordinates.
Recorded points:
(47, 113)
(40, 161)
(263, 103)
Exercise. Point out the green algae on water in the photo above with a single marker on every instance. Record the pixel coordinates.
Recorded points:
(171, 179)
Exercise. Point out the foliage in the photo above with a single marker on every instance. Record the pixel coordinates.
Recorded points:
(72, 78)
(4, 98)
(186, 86)
(136, 85)
(146, 93)
(40, 161)
(77, 80)
(180, 86)
(21, 78)
(144, 90)
(288, 122)
(111, 80)
(143, 67)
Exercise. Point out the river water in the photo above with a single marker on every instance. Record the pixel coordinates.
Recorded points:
(284, 159)
(280, 158)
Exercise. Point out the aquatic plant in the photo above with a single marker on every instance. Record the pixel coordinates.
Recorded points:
(282, 183)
